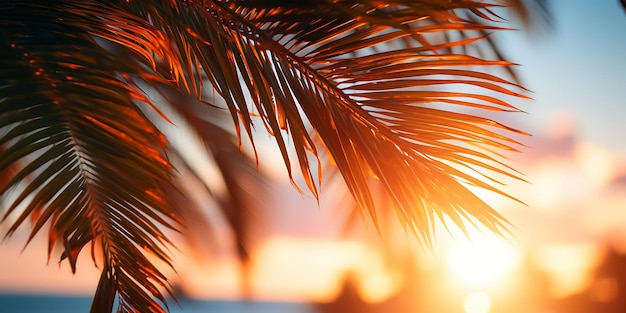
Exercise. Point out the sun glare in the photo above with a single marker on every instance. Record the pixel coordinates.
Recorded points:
(482, 261)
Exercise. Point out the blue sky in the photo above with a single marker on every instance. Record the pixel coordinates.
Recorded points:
(579, 66)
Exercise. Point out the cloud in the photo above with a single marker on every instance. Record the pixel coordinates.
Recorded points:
(577, 189)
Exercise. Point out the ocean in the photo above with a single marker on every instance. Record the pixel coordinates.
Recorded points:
(23, 303)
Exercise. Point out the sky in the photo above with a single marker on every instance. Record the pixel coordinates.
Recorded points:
(577, 67)
(577, 74)
(576, 165)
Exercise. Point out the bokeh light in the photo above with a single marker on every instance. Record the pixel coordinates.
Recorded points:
(482, 261)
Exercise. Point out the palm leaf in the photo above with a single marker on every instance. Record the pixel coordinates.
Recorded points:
(245, 188)
(96, 162)
(371, 81)
(365, 83)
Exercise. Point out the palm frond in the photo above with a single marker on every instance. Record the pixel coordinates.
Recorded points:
(95, 162)
(531, 12)
(372, 81)
(367, 84)
(245, 189)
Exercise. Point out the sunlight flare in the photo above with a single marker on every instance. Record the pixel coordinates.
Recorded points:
(482, 261)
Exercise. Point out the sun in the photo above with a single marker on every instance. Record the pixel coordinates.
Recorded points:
(482, 261)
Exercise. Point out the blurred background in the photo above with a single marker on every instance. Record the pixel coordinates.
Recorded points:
(566, 251)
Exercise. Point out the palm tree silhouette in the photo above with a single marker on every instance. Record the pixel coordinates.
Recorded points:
(85, 86)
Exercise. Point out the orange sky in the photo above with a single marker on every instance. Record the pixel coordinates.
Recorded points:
(576, 201)
(576, 197)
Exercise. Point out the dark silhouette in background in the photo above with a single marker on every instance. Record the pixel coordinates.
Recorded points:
(606, 292)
